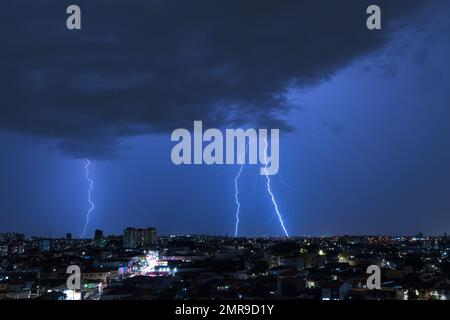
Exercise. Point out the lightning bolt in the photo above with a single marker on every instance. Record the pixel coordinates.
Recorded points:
(269, 190)
(236, 195)
(91, 187)
(236, 199)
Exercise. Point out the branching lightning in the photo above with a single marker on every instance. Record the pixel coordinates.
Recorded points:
(269, 190)
(91, 187)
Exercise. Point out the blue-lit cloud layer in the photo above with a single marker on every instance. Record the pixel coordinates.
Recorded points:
(152, 66)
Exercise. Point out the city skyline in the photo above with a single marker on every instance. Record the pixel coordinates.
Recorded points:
(86, 117)
(120, 234)
(180, 268)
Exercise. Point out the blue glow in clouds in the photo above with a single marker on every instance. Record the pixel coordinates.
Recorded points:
(270, 190)
(91, 187)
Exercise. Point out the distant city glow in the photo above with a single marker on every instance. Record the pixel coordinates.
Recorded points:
(72, 294)
(151, 264)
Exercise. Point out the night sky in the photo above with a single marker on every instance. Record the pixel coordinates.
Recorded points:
(364, 115)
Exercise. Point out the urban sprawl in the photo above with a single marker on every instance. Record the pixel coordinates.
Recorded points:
(139, 265)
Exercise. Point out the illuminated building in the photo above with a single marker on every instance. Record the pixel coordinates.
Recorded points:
(99, 239)
(129, 238)
(139, 237)
(45, 245)
(152, 237)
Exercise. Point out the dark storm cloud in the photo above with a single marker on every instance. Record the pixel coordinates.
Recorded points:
(152, 66)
